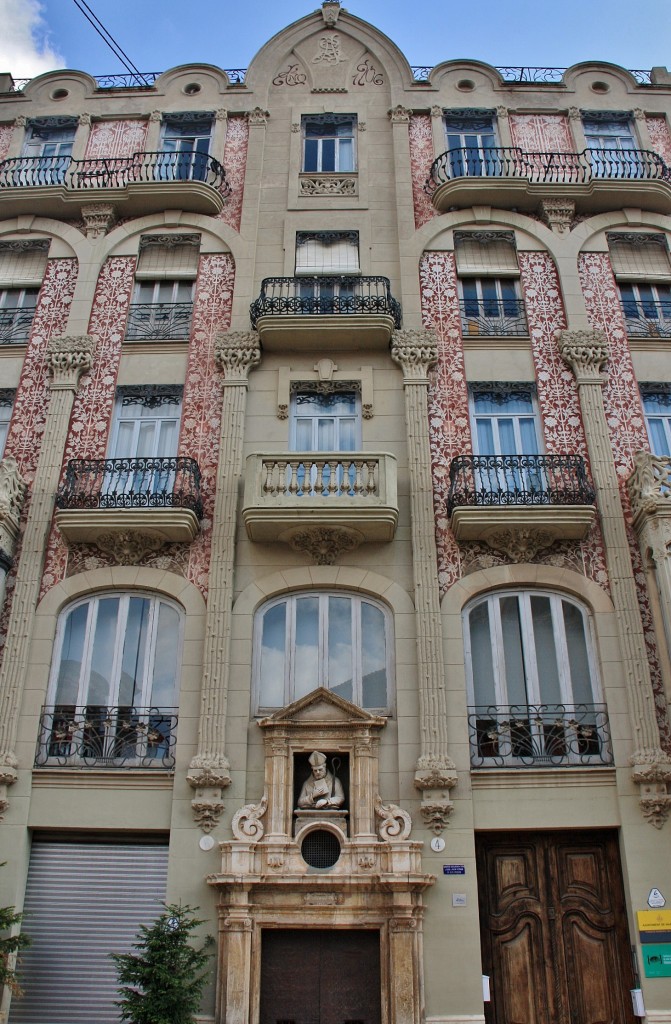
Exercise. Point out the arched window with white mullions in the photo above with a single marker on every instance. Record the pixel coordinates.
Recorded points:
(533, 683)
(340, 641)
(114, 682)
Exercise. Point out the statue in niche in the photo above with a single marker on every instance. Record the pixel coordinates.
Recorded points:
(323, 789)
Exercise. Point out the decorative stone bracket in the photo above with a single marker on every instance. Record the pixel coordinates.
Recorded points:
(435, 777)
(208, 776)
(651, 769)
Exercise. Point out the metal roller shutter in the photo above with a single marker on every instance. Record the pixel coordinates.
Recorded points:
(83, 901)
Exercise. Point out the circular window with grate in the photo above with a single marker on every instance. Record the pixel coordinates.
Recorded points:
(320, 848)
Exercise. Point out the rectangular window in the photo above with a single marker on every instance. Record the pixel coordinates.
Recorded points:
(6, 403)
(471, 143)
(327, 252)
(505, 439)
(328, 143)
(657, 408)
(48, 149)
(490, 299)
(143, 442)
(162, 304)
(325, 421)
(185, 146)
(647, 309)
(611, 144)
(17, 310)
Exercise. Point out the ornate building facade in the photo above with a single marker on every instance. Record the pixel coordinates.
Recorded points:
(335, 520)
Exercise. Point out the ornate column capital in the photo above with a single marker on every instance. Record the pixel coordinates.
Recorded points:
(400, 114)
(558, 213)
(221, 114)
(258, 117)
(236, 353)
(12, 494)
(99, 218)
(68, 357)
(415, 351)
(586, 352)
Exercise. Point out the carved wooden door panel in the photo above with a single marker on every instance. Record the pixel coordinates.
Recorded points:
(320, 977)
(553, 928)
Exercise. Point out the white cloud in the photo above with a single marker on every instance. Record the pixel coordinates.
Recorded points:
(24, 47)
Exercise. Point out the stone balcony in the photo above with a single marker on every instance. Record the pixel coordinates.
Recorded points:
(595, 179)
(349, 311)
(317, 500)
(58, 186)
(520, 504)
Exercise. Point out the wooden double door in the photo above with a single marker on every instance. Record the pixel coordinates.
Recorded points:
(553, 928)
(319, 976)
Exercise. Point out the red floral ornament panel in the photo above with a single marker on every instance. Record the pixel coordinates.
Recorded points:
(94, 401)
(542, 133)
(116, 139)
(201, 418)
(6, 135)
(658, 130)
(449, 425)
(235, 163)
(421, 157)
(558, 399)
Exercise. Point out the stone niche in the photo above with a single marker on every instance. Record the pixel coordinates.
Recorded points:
(347, 866)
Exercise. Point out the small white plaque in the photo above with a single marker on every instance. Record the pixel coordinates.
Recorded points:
(458, 899)
(486, 995)
(437, 844)
(655, 899)
(206, 843)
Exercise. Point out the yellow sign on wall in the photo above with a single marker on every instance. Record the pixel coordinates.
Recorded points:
(654, 920)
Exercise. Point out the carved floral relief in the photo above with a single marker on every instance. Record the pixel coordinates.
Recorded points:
(116, 139)
(541, 133)
(6, 135)
(235, 162)
(660, 136)
(421, 157)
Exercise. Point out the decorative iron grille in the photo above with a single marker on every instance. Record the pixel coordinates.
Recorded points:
(487, 480)
(131, 483)
(539, 735)
(555, 168)
(96, 736)
(158, 321)
(332, 294)
(493, 317)
(647, 318)
(15, 325)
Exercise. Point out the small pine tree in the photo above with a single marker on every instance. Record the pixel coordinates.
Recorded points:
(163, 981)
(9, 946)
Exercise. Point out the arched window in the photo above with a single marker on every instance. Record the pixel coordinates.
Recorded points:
(533, 684)
(336, 640)
(113, 687)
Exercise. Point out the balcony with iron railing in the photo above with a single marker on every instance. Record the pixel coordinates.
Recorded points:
(539, 736)
(291, 492)
(145, 182)
(100, 737)
(159, 321)
(593, 178)
(15, 325)
(496, 498)
(349, 310)
(647, 318)
(490, 318)
(155, 497)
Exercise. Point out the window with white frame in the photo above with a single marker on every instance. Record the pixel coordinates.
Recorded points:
(657, 408)
(113, 686)
(48, 149)
(471, 142)
(341, 641)
(143, 444)
(17, 311)
(532, 681)
(22, 267)
(325, 419)
(505, 438)
(488, 273)
(613, 150)
(327, 252)
(6, 404)
(165, 276)
(642, 270)
(185, 146)
(329, 143)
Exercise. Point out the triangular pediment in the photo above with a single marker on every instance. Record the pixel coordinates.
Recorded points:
(322, 706)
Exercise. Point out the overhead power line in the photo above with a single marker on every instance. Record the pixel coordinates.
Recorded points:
(110, 41)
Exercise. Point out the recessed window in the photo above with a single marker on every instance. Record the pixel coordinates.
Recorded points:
(471, 142)
(185, 145)
(6, 403)
(327, 252)
(328, 143)
(17, 311)
(340, 641)
(490, 299)
(325, 420)
(657, 408)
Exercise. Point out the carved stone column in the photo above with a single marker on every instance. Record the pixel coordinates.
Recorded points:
(235, 967)
(416, 351)
(405, 954)
(209, 772)
(67, 359)
(586, 352)
(12, 494)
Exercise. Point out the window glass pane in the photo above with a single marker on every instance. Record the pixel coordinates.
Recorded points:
(134, 653)
(69, 670)
(373, 657)
(511, 626)
(528, 437)
(345, 155)
(273, 658)
(481, 655)
(100, 690)
(576, 641)
(164, 682)
(546, 651)
(325, 435)
(303, 435)
(347, 438)
(658, 440)
(507, 440)
(340, 671)
(311, 155)
(328, 155)
(306, 660)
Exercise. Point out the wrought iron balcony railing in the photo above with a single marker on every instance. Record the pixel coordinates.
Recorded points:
(539, 735)
(131, 484)
(95, 736)
(493, 317)
(15, 325)
(158, 321)
(112, 172)
(486, 480)
(647, 318)
(547, 168)
(326, 295)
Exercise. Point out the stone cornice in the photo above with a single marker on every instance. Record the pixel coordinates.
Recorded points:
(586, 352)
(236, 353)
(415, 351)
(68, 357)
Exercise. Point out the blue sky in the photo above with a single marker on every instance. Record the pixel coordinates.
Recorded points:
(158, 34)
